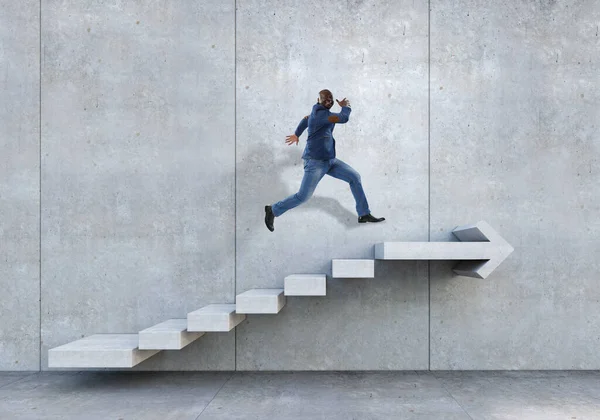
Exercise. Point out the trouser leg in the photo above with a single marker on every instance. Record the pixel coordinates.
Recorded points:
(314, 171)
(345, 172)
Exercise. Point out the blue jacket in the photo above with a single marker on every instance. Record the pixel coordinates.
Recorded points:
(321, 122)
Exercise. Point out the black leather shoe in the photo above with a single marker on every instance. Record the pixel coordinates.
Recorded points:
(269, 218)
(370, 218)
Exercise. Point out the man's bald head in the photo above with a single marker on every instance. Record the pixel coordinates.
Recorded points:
(326, 98)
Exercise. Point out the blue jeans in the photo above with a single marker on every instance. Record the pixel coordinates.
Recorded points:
(314, 171)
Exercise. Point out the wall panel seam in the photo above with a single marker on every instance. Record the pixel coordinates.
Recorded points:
(40, 196)
(429, 178)
(235, 172)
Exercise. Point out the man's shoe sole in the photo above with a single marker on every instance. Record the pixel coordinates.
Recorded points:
(374, 221)
(270, 227)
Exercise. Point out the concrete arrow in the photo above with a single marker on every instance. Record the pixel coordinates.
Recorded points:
(481, 250)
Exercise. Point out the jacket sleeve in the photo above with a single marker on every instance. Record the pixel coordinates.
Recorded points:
(340, 118)
(302, 126)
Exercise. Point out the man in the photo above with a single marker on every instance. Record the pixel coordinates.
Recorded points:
(319, 159)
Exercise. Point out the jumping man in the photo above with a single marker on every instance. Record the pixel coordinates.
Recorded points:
(319, 159)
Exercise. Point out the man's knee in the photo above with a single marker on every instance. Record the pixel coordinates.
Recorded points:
(303, 196)
(355, 178)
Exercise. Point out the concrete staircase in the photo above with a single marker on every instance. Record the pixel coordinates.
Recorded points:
(128, 350)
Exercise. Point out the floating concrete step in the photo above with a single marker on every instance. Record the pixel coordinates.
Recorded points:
(260, 301)
(214, 318)
(168, 335)
(100, 351)
(353, 268)
(305, 285)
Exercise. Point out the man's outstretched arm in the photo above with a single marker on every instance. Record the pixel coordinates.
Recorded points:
(301, 126)
(299, 130)
(343, 116)
(340, 118)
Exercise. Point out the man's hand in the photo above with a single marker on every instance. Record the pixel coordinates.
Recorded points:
(291, 139)
(343, 102)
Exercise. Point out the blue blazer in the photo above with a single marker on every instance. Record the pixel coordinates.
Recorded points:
(321, 122)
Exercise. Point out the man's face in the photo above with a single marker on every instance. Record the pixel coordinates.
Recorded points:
(326, 99)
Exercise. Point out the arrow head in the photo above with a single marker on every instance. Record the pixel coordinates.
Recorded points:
(481, 232)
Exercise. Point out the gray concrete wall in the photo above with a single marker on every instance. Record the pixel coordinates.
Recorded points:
(19, 185)
(515, 111)
(137, 170)
(163, 137)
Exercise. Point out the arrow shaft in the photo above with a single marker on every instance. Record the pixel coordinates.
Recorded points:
(435, 251)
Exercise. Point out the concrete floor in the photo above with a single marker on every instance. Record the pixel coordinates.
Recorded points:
(304, 395)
